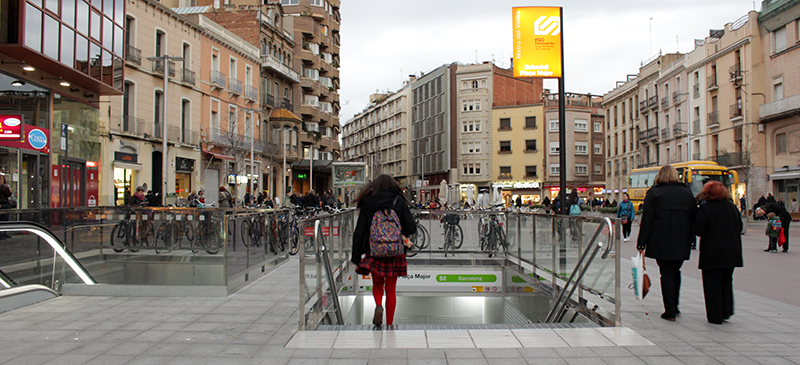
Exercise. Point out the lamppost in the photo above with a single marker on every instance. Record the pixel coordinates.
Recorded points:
(252, 140)
(422, 170)
(164, 145)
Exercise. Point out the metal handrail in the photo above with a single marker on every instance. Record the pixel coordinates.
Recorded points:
(322, 253)
(53, 241)
(559, 307)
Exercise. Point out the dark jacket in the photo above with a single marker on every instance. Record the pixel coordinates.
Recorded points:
(781, 212)
(310, 200)
(368, 206)
(5, 193)
(719, 225)
(666, 226)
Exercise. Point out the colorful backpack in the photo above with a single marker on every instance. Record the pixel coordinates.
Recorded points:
(385, 239)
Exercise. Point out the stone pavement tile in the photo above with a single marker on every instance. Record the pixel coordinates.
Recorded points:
(202, 350)
(130, 348)
(93, 348)
(200, 327)
(584, 361)
(240, 350)
(199, 337)
(78, 325)
(305, 361)
(189, 361)
(311, 339)
(31, 359)
(681, 348)
(494, 339)
(120, 336)
(427, 362)
(491, 353)
(71, 359)
(228, 361)
(569, 352)
(313, 353)
(539, 338)
(58, 347)
(385, 354)
(449, 339)
(422, 354)
(506, 361)
(149, 360)
(463, 354)
(404, 339)
(699, 360)
(616, 351)
(623, 361)
(647, 351)
(252, 338)
(140, 326)
(349, 361)
(538, 353)
(109, 360)
(358, 339)
(166, 349)
(347, 353)
(152, 336)
(273, 351)
(547, 361)
(660, 360)
(772, 360)
(480, 361)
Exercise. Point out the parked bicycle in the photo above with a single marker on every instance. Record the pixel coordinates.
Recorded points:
(252, 231)
(132, 233)
(492, 235)
(453, 234)
(171, 233)
(209, 235)
(419, 240)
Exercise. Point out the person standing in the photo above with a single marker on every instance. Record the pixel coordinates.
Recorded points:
(665, 233)
(719, 226)
(626, 212)
(381, 193)
(795, 206)
(5, 202)
(225, 198)
(786, 219)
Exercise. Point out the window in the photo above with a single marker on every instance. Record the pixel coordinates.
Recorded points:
(581, 148)
(505, 124)
(598, 149)
(505, 146)
(160, 46)
(505, 172)
(554, 169)
(158, 107)
(598, 169)
(477, 125)
(530, 145)
(290, 2)
(779, 39)
(780, 143)
(530, 171)
(581, 170)
(581, 126)
(777, 91)
(598, 127)
(554, 125)
(530, 122)
(474, 84)
(316, 2)
(554, 148)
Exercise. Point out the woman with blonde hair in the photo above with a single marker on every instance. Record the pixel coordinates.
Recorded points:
(665, 233)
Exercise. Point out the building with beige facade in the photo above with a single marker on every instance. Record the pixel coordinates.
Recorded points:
(136, 119)
(621, 127)
(517, 156)
(777, 117)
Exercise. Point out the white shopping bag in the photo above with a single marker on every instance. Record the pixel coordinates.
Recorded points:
(641, 282)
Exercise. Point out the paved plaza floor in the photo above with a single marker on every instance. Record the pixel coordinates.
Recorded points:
(258, 325)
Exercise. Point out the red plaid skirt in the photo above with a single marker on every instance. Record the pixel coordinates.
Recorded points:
(383, 266)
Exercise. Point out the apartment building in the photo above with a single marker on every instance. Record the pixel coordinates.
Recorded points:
(584, 132)
(621, 126)
(136, 120)
(434, 126)
(673, 129)
(474, 125)
(651, 117)
(778, 115)
(379, 136)
(517, 163)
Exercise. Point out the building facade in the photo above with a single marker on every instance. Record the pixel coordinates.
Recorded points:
(622, 116)
(517, 156)
(474, 125)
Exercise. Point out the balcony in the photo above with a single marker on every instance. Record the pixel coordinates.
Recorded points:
(504, 176)
(664, 133)
(251, 92)
(190, 137)
(158, 67)
(133, 55)
(287, 104)
(678, 97)
(713, 119)
(158, 130)
(696, 91)
(188, 76)
(218, 79)
(648, 134)
(731, 159)
(642, 106)
(270, 100)
(235, 86)
(712, 82)
(736, 111)
(273, 64)
(679, 129)
(647, 164)
(736, 74)
(696, 126)
(696, 157)
(652, 102)
(129, 124)
(665, 102)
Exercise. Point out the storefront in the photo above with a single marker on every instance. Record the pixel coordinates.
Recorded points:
(184, 168)
(530, 192)
(126, 170)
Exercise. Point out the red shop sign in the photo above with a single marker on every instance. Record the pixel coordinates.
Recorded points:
(11, 127)
(33, 138)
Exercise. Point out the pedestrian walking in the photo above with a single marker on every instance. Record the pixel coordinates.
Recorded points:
(785, 217)
(665, 233)
(719, 226)
(379, 194)
(626, 213)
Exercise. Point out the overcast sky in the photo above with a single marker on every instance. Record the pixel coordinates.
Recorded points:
(385, 41)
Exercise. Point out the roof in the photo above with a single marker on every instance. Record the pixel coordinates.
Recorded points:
(284, 114)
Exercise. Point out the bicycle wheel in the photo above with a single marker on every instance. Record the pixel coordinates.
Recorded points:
(231, 235)
(424, 242)
(294, 239)
(448, 240)
(245, 229)
(188, 230)
(119, 237)
(212, 245)
(162, 235)
(458, 236)
(502, 240)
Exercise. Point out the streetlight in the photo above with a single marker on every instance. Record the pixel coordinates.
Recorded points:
(164, 145)
(252, 140)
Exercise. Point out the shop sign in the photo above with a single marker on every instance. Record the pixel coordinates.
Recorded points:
(11, 127)
(35, 138)
(537, 41)
(92, 188)
(126, 157)
(184, 165)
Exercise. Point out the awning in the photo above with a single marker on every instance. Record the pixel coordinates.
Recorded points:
(785, 175)
(220, 156)
(128, 165)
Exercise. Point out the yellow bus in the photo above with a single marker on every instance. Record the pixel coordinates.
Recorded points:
(694, 174)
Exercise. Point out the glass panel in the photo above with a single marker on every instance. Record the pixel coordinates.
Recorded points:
(98, 4)
(118, 80)
(67, 46)
(96, 24)
(82, 17)
(94, 61)
(108, 7)
(33, 27)
(52, 5)
(68, 12)
(51, 28)
(83, 121)
(119, 12)
(37, 2)
(108, 34)
(118, 41)
(108, 69)
(82, 54)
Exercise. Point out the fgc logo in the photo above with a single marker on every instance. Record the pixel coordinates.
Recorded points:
(547, 25)
(37, 139)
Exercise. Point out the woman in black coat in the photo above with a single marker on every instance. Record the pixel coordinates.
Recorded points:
(665, 233)
(719, 225)
(381, 193)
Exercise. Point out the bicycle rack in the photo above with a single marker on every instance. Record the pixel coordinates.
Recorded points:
(558, 310)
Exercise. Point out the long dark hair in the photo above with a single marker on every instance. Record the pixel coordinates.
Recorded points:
(382, 182)
(573, 197)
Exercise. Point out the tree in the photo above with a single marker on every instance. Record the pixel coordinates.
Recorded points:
(237, 145)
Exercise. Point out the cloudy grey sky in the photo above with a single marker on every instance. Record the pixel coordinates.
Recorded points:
(385, 41)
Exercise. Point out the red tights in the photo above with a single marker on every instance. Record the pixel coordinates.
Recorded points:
(389, 284)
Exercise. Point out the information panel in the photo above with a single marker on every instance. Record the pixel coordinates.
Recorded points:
(537, 41)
